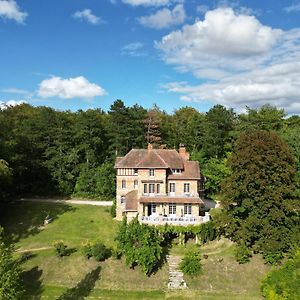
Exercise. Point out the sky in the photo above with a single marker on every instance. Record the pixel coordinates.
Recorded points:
(81, 54)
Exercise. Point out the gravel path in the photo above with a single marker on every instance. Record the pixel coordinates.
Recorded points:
(176, 280)
(71, 201)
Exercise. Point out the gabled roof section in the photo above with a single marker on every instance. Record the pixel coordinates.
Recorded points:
(191, 170)
(171, 157)
(131, 159)
(152, 160)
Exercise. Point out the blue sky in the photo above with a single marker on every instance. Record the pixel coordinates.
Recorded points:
(87, 53)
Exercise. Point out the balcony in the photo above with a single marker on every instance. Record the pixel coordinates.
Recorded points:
(174, 220)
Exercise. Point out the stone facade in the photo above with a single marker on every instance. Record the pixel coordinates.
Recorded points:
(158, 184)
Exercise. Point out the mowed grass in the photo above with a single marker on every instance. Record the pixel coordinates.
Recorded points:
(74, 277)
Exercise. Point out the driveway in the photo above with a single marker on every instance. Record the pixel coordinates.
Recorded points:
(71, 201)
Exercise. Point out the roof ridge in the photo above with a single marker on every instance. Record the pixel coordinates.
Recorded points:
(161, 158)
(157, 155)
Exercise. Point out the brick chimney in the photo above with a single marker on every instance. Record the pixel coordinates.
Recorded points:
(183, 153)
(150, 147)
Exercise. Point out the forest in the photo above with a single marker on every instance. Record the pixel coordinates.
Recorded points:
(46, 152)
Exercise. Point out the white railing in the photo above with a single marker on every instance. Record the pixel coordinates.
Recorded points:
(186, 220)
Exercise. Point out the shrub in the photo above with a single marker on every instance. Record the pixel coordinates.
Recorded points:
(60, 249)
(100, 252)
(191, 263)
(283, 283)
(87, 250)
(96, 250)
(242, 254)
(272, 258)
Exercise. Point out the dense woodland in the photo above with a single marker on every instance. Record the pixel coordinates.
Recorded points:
(251, 164)
(48, 152)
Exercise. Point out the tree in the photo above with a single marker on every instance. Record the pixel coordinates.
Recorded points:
(11, 286)
(261, 209)
(266, 117)
(140, 244)
(5, 177)
(283, 283)
(215, 171)
(217, 139)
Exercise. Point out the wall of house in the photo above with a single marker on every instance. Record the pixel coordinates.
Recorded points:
(179, 187)
(159, 175)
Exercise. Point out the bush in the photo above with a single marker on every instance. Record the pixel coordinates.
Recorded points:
(100, 252)
(191, 263)
(242, 254)
(87, 250)
(96, 250)
(60, 249)
(283, 283)
(272, 258)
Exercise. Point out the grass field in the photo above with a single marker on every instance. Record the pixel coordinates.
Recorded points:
(74, 277)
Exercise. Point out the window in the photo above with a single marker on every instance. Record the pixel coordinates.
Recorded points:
(187, 209)
(158, 188)
(172, 209)
(172, 187)
(135, 183)
(151, 172)
(123, 199)
(186, 188)
(152, 208)
(135, 171)
(145, 188)
(123, 184)
(151, 188)
(176, 171)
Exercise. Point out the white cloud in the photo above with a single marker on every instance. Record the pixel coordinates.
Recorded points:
(88, 16)
(15, 91)
(150, 2)
(133, 49)
(223, 40)
(164, 18)
(9, 9)
(202, 9)
(10, 103)
(250, 64)
(292, 8)
(78, 87)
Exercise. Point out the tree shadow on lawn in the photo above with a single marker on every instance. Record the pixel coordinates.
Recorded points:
(83, 288)
(22, 219)
(33, 283)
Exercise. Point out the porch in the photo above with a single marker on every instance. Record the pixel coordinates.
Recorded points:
(174, 220)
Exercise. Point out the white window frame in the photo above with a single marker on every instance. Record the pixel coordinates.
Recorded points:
(151, 172)
(123, 199)
(187, 209)
(186, 188)
(158, 188)
(123, 184)
(151, 188)
(145, 189)
(172, 187)
(172, 209)
(152, 208)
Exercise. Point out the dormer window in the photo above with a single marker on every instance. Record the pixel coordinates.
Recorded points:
(151, 172)
(176, 171)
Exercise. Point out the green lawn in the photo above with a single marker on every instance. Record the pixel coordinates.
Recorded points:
(74, 277)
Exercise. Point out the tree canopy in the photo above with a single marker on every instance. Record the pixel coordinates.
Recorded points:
(261, 208)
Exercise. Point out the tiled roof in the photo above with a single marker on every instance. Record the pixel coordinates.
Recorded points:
(156, 158)
(191, 170)
(192, 200)
(131, 201)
